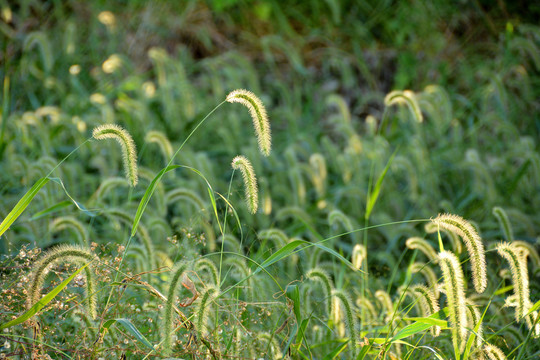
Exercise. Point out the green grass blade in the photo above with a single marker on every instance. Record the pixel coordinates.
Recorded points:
(289, 249)
(57, 207)
(22, 204)
(75, 202)
(372, 198)
(42, 302)
(421, 324)
(147, 195)
(128, 325)
(338, 350)
(430, 321)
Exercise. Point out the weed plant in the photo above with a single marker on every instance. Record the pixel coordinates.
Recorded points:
(315, 219)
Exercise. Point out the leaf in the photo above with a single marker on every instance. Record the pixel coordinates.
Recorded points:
(77, 204)
(22, 204)
(431, 321)
(372, 198)
(288, 249)
(534, 307)
(420, 326)
(147, 195)
(61, 205)
(334, 353)
(128, 325)
(42, 302)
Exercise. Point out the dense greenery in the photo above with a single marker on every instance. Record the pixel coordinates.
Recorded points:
(383, 115)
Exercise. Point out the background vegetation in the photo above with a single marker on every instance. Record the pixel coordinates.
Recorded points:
(323, 70)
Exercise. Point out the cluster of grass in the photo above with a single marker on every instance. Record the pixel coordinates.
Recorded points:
(145, 214)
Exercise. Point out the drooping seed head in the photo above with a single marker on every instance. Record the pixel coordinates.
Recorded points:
(129, 153)
(473, 242)
(250, 182)
(258, 115)
(455, 294)
(493, 352)
(408, 97)
(520, 278)
(428, 304)
(420, 244)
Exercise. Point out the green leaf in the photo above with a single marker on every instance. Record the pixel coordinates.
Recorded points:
(504, 290)
(431, 321)
(22, 204)
(42, 302)
(61, 205)
(534, 307)
(338, 350)
(147, 195)
(77, 204)
(373, 195)
(128, 325)
(289, 249)
(422, 324)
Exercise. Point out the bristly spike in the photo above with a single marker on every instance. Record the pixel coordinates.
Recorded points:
(473, 242)
(129, 153)
(520, 281)
(250, 182)
(455, 294)
(258, 115)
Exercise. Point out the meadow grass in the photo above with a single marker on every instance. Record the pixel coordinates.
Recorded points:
(329, 252)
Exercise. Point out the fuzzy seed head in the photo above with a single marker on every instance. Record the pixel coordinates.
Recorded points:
(129, 152)
(473, 242)
(258, 115)
(520, 278)
(428, 304)
(420, 244)
(250, 182)
(493, 352)
(454, 287)
(359, 253)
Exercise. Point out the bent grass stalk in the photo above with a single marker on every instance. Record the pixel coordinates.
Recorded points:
(129, 153)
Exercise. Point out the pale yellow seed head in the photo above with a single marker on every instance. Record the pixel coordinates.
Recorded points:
(258, 115)
(250, 182)
(129, 153)
(473, 243)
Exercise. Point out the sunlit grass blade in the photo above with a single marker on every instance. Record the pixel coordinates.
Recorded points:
(147, 195)
(374, 194)
(22, 204)
(43, 301)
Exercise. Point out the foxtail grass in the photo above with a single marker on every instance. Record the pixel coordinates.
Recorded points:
(250, 182)
(63, 253)
(474, 245)
(455, 294)
(258, 115)
(129, 153)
